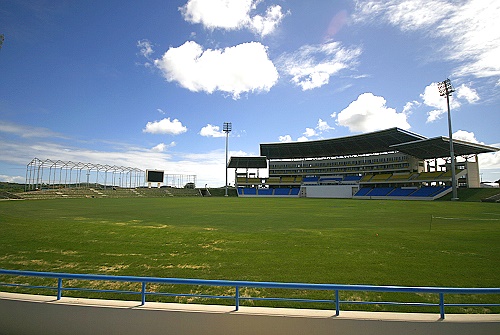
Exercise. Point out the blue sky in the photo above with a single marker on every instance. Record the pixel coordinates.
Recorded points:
(149, 84)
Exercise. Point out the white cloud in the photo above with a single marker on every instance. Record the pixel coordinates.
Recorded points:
(469, 29)
(323, 126)
(465, 136)
(212, 131)
(490, 161)
(27, 131)
(165, 126)
(12, 179)
(265, 25)
(162, 147)
(310, 132)
(232, 15)
(159, 148)
(145, 48)
(435, 115)
(235, 70)
(285, 138)
(406, 14)
(312, 65)
(467, 93)
(409, 106)
(370, 113)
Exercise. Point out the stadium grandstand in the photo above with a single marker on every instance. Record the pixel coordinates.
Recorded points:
(386, 164)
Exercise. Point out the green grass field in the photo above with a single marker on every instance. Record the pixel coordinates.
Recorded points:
(411, 243)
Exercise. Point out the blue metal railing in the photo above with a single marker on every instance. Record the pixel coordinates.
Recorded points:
(335, 288)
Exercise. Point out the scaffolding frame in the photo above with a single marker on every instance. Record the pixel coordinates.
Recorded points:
(53, 174)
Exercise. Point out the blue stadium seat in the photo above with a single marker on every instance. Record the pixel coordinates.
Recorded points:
(380, 191)
(265, 191)
(295, 191)
(324, 179)
(427, 191)
(310, 179)
(352, 178)
(281, 191)
(250, 191)
(402, 192)
(363, 191)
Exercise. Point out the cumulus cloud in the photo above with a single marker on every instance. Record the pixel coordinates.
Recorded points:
(309, 133)
(312, 65)
(267, 24)
(285, 138)
(232, 15)
(409, 106)
(323, 126)
(242, 68)
(467, 93)
(165, 126)
(212, 131)
(163, 147)
(490, 161)
(469, 29)
(465, 136)
(370, 113)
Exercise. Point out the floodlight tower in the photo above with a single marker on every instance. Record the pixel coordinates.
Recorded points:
(226, 127)
(445, 89)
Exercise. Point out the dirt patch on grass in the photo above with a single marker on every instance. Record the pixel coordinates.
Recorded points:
(213, 245)
(113, 268)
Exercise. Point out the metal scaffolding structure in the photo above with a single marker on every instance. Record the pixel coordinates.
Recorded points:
(50, 174)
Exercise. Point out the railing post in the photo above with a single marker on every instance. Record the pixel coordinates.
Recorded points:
(59, 288)
(237, 297)
(441, 305)
(337, 303)
(143, 293)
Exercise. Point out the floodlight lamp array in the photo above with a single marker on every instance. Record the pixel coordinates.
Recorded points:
(445, 88)
(227, 127)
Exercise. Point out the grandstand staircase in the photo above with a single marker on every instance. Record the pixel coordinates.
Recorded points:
(205, 192)
(494, 198)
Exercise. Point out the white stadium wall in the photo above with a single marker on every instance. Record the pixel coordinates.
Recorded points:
(326, 191)
(28, 314)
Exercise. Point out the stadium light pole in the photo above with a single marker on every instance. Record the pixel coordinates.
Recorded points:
(226, 127)
(445, 89)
